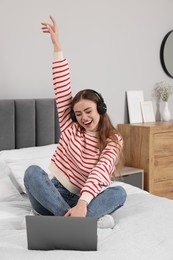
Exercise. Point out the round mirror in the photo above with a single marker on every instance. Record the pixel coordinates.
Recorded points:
(166, 54)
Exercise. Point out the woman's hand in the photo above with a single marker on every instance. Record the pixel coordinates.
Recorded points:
(80, 210)
(53, 30)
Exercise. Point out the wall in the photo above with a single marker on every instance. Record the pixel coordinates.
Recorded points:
(112, 46)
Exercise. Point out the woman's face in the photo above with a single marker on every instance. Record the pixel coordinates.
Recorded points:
(87, 115)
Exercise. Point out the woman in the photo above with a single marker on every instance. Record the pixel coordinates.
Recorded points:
(88, 153)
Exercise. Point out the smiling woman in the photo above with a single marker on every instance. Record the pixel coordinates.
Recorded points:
(87, 155)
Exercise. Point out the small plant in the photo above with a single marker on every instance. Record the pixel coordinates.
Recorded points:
(163, 90)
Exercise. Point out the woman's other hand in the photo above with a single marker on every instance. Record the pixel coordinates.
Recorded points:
(80, 210)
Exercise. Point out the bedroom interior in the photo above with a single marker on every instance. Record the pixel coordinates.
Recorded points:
(125, 44)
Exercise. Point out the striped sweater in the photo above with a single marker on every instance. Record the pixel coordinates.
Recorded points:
(77, 162)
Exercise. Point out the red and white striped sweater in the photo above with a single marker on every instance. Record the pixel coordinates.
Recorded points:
(77, 163)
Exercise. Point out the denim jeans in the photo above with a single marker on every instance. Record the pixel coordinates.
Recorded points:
(50, 197)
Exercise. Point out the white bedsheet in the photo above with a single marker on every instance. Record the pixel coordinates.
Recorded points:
(143, 231)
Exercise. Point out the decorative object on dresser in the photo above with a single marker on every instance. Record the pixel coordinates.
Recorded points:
(147, 111)
(162, 91)
(150, 146)
(166, 115)
(134, 99)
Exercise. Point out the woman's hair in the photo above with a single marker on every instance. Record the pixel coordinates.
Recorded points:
(105, 127)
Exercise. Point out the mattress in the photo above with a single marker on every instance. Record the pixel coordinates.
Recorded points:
(143, 230)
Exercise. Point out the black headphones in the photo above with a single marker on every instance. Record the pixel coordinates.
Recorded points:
(101, 106)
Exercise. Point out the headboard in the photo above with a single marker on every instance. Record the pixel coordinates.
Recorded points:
(28, 123)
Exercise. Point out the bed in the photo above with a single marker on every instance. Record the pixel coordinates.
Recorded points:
(28, 135)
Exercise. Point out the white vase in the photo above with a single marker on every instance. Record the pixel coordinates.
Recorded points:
(166, 115)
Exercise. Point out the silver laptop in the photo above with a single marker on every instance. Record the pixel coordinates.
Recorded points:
(65, 233)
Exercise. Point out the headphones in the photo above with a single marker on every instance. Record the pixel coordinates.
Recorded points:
(101, 106)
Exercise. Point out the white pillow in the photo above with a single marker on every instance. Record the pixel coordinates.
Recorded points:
(28, 153)
(18, 160)
(7, 190)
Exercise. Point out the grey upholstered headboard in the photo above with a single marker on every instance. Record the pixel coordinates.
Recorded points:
(28, 123)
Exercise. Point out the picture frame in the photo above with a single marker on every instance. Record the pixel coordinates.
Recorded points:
(147, 111)
(134, 99)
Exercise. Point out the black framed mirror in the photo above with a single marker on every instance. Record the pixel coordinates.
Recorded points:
(166, 54)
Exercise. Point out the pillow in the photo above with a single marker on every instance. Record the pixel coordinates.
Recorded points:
(8, 192)
(18, 160)
(28, 153)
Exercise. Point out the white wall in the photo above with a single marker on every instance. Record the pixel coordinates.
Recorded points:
(112, 46)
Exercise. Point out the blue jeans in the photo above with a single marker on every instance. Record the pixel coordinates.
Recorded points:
(50, 197)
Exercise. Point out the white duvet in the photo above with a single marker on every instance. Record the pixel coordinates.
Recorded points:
(144, 230)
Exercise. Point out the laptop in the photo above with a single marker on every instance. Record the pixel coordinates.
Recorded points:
(64, 233)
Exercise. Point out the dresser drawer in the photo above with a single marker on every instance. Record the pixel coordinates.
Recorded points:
(163, 144)
(163, 189)
(163, 169)
(135, 179)
(133, 176)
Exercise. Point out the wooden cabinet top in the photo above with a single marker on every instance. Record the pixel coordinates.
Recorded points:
(152, 126)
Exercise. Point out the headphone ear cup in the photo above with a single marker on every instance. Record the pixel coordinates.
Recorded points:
(101, 108)
(72, 116)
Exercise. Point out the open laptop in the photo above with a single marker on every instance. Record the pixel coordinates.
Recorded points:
(65, 233)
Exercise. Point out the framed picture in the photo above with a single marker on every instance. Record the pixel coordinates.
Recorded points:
(147, 111)
(134, 99)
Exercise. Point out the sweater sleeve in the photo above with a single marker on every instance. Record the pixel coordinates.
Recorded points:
(62, 89)
(101, 174)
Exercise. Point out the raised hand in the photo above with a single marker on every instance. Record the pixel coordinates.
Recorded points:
(53, 30)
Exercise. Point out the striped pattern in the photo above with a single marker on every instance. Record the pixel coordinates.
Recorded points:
(77, 154)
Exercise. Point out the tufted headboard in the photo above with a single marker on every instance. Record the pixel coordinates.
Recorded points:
(28, 123)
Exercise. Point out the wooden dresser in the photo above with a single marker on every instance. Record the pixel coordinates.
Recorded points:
(149, 146)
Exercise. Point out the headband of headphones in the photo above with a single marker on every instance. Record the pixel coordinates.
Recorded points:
(101, 106)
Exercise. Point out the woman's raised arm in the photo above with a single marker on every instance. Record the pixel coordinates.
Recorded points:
(52, 29)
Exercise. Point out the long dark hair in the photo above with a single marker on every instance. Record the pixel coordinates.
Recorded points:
(105, 127)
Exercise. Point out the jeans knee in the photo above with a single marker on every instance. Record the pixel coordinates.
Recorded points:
(120, 194)
(123, 194)
(30, 173)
